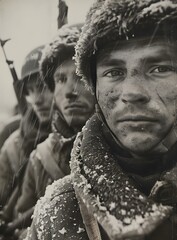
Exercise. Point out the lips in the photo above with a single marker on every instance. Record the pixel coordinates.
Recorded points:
(74, 105)
(138, 118)
(42, 109)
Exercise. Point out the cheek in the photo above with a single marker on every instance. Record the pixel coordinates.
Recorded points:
(30, 99)
(168, 96)
(107, 100)
(48, 97)
(58, 96)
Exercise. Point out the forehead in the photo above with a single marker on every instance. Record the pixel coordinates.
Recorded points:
(66, 67)
(137, 49)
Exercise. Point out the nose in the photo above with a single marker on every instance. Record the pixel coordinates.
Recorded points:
(71, 88)
(134, 92)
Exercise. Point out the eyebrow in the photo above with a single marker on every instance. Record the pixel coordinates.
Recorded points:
(159, 56)
(112, 62)
(162, 55)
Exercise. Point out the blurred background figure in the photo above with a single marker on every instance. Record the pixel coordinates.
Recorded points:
(34, 128)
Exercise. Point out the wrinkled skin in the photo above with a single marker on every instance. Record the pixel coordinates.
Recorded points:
(74, 101)
(40, 98)
(137, 91)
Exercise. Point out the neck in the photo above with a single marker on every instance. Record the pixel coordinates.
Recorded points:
(59, 125)
(77, 128)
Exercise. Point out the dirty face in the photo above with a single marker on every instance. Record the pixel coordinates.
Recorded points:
(72, 99)
(40, 98)
(137, 91)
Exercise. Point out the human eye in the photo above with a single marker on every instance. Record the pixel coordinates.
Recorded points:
(114, 73)
(163, 69)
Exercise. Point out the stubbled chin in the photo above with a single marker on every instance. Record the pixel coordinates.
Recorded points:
(76, 121)
(44, 118)
(139, 144)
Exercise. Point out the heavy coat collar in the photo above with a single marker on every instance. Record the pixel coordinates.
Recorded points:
(118, 206)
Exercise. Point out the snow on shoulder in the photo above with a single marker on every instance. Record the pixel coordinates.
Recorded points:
(53, 191)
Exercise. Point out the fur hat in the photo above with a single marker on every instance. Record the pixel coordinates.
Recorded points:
(60, 49)
(113, 20)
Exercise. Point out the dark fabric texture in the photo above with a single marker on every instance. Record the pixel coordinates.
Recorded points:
(60, 216)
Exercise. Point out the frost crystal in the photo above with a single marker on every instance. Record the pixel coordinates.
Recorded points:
(112, 205)
(80, 230)
(63, 231)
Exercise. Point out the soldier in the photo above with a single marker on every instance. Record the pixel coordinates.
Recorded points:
(35, 127)
(124, 172)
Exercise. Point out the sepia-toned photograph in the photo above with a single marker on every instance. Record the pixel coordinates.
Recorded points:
(88, 119)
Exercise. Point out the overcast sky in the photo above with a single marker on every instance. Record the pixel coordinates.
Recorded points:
(29, 23)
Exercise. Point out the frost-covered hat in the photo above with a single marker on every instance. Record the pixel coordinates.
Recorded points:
(113, 20)
(60, 49)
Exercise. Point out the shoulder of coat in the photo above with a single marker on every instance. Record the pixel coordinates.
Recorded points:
(14, 138)
(53, 195)
(36, 153)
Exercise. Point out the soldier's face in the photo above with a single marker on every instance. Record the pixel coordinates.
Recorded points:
(40, 98)
(72, 99)
(137, 91)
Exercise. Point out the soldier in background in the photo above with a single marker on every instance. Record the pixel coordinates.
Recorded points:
(34, 128)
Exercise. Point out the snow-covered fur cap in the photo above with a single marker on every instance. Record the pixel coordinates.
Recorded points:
(60, 49)
(113, 20)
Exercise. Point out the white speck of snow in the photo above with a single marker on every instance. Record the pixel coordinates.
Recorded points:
(97, 167)
(101, 178)
(123, 212)
(62, 231)
(52, 218)
(141, 197)
(80, 230)
(112, 205)
(127, 220)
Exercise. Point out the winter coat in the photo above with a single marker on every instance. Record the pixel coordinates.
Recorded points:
(57, 214)
(102, 195)
(49, 162)
(12, 125)
(11, 160)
